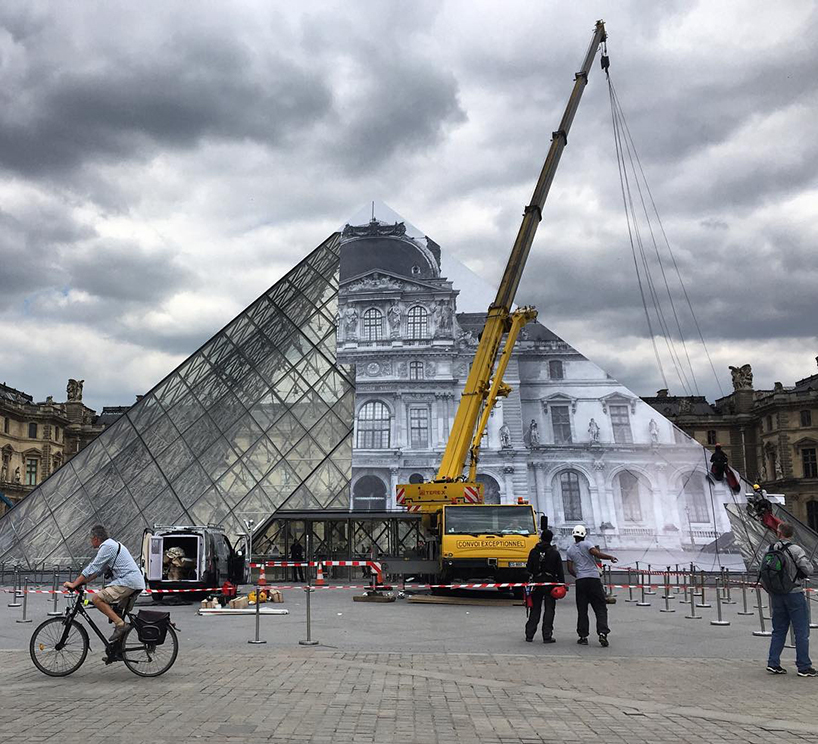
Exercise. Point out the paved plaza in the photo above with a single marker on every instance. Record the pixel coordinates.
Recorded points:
(417, 673)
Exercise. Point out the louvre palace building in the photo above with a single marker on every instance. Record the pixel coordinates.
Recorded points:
(341, 381)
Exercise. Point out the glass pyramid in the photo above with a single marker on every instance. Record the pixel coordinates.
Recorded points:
(259, 420)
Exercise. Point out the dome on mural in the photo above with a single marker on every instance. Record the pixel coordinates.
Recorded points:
(364, 248)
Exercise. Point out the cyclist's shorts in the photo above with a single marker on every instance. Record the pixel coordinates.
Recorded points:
(113, 594)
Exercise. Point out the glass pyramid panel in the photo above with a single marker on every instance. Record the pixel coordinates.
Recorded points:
(233, 433)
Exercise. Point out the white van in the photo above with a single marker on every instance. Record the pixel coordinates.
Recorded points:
(192, 557)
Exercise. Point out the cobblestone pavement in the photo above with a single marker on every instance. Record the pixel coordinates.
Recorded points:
(316, 695)
(407, 673)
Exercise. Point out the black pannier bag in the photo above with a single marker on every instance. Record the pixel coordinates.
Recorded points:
(152, 626)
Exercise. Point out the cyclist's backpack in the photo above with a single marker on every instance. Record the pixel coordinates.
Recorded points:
(151, 626)
(775, 574)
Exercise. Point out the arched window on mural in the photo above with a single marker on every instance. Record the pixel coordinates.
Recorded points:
(491, 489)
(696, 506)
(417, 322)
(571, 496)
(373, 426)
(416, 478)
(369, 493)
(373, 325)
(631, 498)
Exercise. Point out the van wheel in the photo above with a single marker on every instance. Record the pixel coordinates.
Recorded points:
(156, 597)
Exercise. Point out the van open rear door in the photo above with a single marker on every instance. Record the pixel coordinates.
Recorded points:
(154, 567)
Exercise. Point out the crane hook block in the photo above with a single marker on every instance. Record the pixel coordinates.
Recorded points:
(605, 61)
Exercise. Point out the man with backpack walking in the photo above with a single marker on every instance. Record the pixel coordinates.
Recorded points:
(783, 568)
(544, 565)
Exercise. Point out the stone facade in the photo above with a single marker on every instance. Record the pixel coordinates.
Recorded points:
(576, 443)
(769, 435)
(37, 438)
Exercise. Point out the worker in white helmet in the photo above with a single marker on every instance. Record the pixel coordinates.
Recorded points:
(582, 564)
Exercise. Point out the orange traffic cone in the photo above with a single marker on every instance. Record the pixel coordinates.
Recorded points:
(262, 579)
(319, 579)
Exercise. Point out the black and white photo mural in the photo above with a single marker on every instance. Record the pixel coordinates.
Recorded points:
(571, 439)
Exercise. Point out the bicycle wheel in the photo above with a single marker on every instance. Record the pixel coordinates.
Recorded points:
(148, 659)
(58, 662)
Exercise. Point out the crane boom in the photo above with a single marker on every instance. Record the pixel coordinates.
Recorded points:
(481, 391)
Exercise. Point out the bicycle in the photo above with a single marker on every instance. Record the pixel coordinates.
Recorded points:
(60, 645)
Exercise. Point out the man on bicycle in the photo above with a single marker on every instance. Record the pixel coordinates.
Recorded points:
(122, 572)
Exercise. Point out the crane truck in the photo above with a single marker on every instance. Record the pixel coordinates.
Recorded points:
(469, 538)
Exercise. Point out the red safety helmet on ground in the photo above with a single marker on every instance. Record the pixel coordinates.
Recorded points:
(558, 592)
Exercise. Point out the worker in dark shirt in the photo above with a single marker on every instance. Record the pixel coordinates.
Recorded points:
(297, 555)
(544, 565)
(719, 463)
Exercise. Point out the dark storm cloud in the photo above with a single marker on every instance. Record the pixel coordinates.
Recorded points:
(122, 270)
(112, 102)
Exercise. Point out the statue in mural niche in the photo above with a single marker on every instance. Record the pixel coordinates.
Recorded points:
(394, 317)
(779, 471)
(350, 322)
(442, 315)
(505, 436)
(17, 476)
(74, 389)
(653, 428)
(742, 377)
(593, 431)
(4, 472)
(533, 434)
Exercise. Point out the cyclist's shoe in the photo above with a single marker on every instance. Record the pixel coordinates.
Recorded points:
(119, 631)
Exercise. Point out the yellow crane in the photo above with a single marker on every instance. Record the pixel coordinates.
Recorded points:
(452, 488)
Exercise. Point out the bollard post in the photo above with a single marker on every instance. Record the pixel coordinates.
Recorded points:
(650, 590)
(704, 604)
(720, 620)
(807, 592)
(693, 615)
(258, 617)
(309, 641)
(744, 610)
(15, 595)
(667, 607)
(667, 595)
(678, 580)
(763, 631)
(642, 602)
(630, 588)
(25, 619)
(684, 587)
(729, 599)
(55, 593)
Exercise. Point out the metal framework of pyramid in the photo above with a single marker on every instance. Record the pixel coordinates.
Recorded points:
(259, 420)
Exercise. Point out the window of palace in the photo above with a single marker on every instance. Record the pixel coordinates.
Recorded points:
(769, 423)
(6, 424)
(555, 370)
(806, 418)
(808, 458)
(419, 427)
(561, 424)
(695, 499)
(369, 493)
(711, 436)
(31, 471)
(571, 496)
(621, 424)
(373, 325)
(415, 370)
(631, 500)
(812, 515)
(32, 431)
(417, 322)
(373, 426)
(416, 478)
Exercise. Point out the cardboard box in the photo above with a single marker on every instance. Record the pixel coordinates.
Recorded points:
(239, 603)
(273, 595)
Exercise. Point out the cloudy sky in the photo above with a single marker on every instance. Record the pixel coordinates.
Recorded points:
(161, 164)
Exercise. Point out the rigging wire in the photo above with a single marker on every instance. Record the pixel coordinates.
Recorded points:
(632, 146)
(619, 163)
